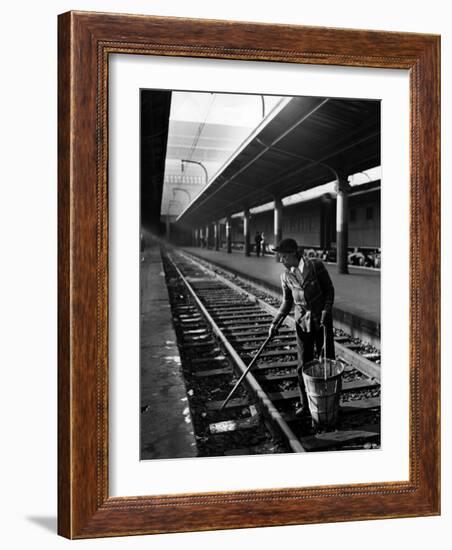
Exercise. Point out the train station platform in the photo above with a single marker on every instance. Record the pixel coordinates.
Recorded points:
(166, 428)
(357, 295)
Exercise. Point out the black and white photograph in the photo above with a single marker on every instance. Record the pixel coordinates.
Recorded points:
(225, 227)
(260, 257)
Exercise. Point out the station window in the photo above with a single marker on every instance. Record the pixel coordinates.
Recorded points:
(370, 213)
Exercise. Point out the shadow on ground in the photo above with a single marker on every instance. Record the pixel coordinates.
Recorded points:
(46, 522)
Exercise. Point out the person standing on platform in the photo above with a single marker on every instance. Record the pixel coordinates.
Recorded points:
(263, 244)
(307, 285)
(257, 241)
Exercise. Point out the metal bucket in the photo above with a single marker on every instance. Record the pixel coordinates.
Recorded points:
(323, 382)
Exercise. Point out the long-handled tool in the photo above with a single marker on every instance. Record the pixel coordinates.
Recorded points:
(248, 368)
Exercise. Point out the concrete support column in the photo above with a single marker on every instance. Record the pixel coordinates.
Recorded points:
(229, 234)
(277, 218)
(216, 229)
(246, 231)
(342, 189)
(207, 236)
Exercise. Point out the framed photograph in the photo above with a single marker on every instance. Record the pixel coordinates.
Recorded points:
(248, 265)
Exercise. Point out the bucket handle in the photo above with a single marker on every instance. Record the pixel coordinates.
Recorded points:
(324, 353)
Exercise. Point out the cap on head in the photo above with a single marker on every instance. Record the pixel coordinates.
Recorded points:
(287, 246)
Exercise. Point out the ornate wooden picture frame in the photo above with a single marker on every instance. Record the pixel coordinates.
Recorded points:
(86, 40)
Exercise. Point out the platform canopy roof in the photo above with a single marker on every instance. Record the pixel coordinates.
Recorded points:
(308, 142)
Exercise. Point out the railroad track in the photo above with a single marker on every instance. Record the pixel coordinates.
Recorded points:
(368, 352)
(220, 325)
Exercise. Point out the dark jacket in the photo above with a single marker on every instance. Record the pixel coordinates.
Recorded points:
(314, 295)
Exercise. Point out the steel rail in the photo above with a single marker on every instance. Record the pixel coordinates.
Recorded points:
(358, 362)
(273, 413)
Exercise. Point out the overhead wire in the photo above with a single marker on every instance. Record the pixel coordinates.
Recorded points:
(201, 128)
